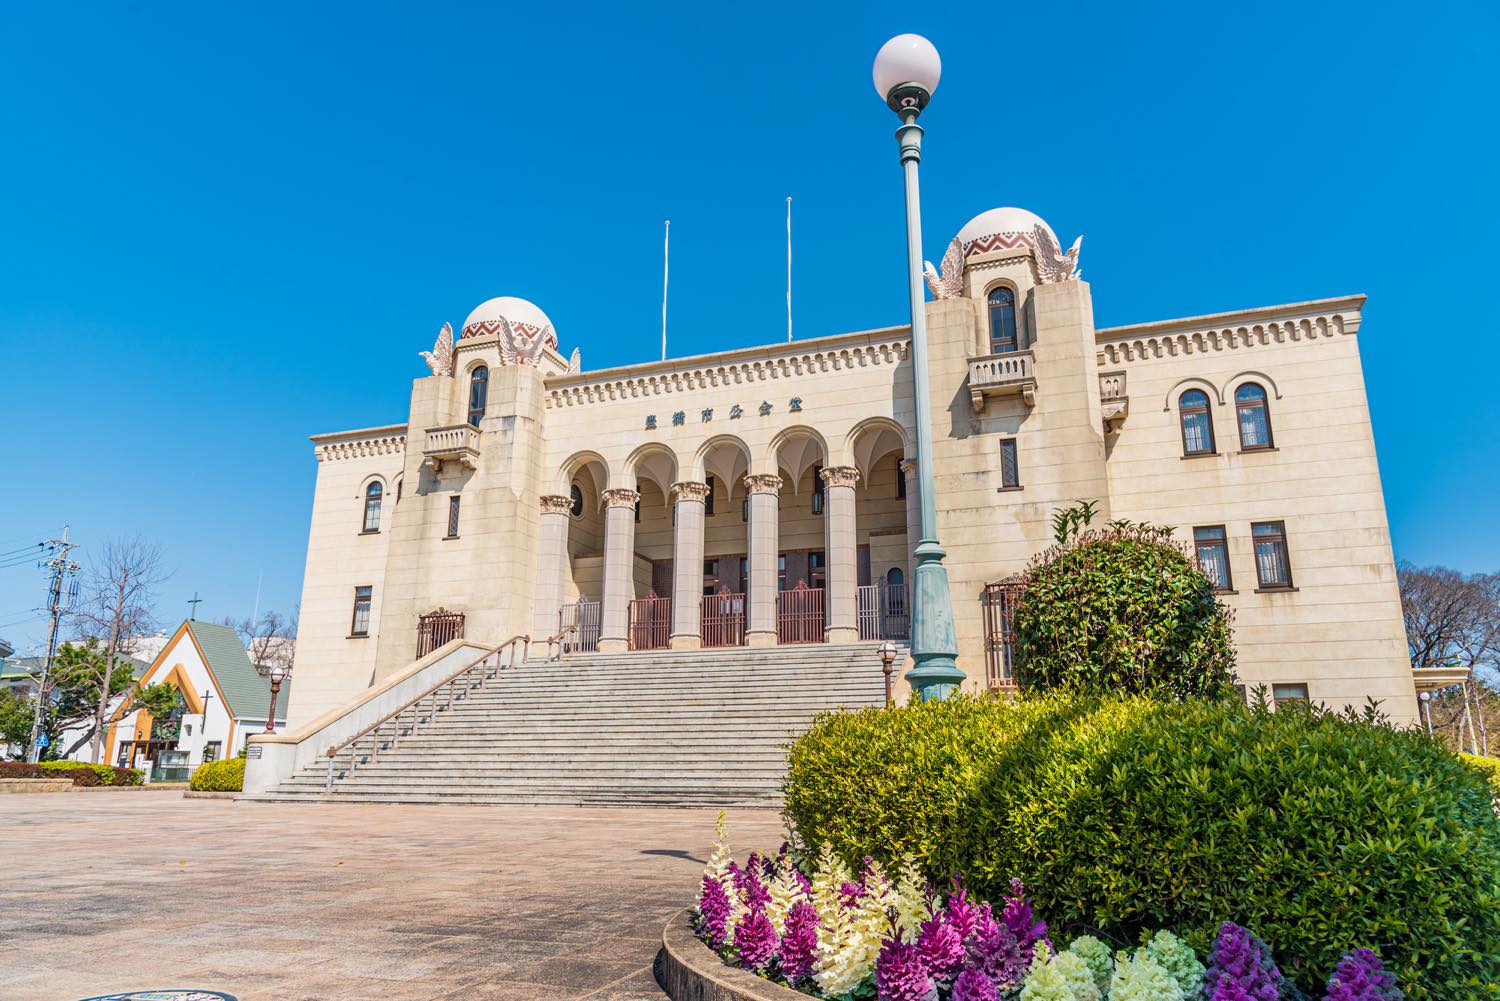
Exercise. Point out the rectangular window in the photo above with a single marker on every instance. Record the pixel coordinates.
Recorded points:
(360, 624)
(708, 502)
(1212, 545)
(817, 491)
(781, 572)
(1288, 693)
(211, 750)
(1272, 565)
(817, 569)
(710, 576)
(744, 573)
(453, 516)
(1010, 468)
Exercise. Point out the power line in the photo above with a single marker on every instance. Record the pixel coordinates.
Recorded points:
(62, 568)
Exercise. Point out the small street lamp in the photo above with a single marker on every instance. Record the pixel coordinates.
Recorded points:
(1426, 700)
(907, 69)
(887, 653)
(277, 674)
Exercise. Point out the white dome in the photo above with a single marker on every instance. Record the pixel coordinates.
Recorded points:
(1002, 229)
(524, 317)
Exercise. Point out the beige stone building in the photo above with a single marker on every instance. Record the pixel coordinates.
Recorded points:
(760, 496)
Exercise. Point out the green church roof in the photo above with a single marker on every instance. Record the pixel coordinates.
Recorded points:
(248, 694)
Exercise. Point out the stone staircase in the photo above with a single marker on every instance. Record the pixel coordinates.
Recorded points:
(678, 728)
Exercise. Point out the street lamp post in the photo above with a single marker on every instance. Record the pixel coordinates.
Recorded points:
(887, 651)
(907, 69)
(277, 675)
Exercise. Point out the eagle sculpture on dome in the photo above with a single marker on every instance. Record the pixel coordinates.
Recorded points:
(516, 348)
(950, 283)
(440, 358)
(1052, 265)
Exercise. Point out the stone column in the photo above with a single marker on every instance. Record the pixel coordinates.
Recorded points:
(687, 564)
(551, 562)
(840, 610)
(764, 547)
(619, 569)
(913, 518)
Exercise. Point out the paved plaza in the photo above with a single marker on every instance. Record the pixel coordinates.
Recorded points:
(119, 890)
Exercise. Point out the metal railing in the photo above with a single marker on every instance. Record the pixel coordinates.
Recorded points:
(999, 602)
(722, 621)
(799, 614)
(436, 628)
(650, 623)
(883, 612)
(407, 720)
(578, 627)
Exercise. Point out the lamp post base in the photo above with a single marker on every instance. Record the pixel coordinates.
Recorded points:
(934, 643)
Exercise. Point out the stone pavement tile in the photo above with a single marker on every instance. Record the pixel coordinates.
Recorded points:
(574, 973)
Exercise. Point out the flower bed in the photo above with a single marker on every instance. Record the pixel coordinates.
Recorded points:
(831, 933)
(80, 773)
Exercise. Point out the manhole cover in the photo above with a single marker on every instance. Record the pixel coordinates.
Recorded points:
(182, 995)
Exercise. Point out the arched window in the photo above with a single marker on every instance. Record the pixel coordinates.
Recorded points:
(1254, 416)
(1002, 320)
(479, 393)
(1197, 423)
(372, 506)
(895, 591)
(575, 495)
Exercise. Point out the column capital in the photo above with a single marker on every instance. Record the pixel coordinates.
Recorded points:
(555, 504)
(841, 476)
(763, 483)
(908, 466)
(689, 490)
(620, 497)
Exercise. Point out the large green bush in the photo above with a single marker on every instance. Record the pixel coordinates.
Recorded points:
(1125, 609)
(1490, 767)
(219, 776)
(1317, 832)
(108, 775)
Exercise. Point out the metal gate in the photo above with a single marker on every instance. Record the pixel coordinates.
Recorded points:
(650, 622)
(723, 619)
(883, 612)
(578, 626)
(999, 602)
(799, 614)
(436, 628)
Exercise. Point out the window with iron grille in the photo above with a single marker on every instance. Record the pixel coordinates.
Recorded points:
(373, 494)
(359, 624)
(1197, 423)
(1273, 566)
(1010, 467)
(1212, 545)
(1254, 417)
(453, 516)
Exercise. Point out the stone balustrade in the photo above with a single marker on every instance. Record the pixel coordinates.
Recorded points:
(458, 443)
(1012, 373)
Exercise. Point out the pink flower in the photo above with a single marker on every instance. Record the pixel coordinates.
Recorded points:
(713, 912)
(962, 913)
(900, 974)
(799, 942)
(755, 940)
(942, 948)
(972, 985)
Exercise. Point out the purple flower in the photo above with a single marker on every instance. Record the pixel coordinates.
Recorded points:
(803, 882)
(1361, 977)
(753, 892)
(900, 974)
(962, 914)
(1018, 917)
(850, 893)
(755, 940)
(736, 877)
(799, 942)
(713, 912)
(994, 951)
(972, 985)
(1229, 989)
(942, 948)
(1242, 959)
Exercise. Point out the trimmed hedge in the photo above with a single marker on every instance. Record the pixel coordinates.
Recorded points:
(219, 776)
(1317, 832)
(81, 773)
(1490, 767)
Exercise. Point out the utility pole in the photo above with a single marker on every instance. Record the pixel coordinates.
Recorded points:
(62, 568)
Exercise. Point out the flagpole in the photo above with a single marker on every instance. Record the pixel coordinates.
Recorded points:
(789, 267)
(666, 245)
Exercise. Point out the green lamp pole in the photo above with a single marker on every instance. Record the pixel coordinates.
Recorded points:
(906, 73)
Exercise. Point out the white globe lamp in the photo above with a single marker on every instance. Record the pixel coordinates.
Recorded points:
(907, 69)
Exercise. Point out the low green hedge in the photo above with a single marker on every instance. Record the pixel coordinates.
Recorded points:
(1490, 767)
(108, 775)
(219, 776)
(1319, 833)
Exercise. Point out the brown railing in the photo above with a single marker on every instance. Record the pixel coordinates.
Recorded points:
(883, 612)
(436, 628)
(799, 614)
(999, 601)
(578, 627)
(407, 719)
(723, 619)
(650, 622)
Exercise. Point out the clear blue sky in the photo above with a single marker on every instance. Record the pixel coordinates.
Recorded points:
(225, 230)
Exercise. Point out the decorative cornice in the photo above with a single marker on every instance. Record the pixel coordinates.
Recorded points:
(689, 490)
(745, 366)
(620, 497)
(389, 440)
(1298, 321)
(841, 476)
(555, 504)
(763, 483)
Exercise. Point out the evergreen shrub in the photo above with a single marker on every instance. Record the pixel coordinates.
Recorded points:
(1123, 814)
(219, 776)
(1489, 766)
(1121, 610)
(108, 775)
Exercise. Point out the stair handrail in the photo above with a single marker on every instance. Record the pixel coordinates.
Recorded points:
(511, 643)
